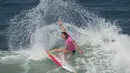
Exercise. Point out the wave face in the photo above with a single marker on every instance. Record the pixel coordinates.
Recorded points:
(35, 30)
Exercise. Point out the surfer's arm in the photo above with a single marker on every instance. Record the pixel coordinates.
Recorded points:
(62, 27)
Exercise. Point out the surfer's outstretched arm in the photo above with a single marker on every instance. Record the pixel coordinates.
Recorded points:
(62, 27)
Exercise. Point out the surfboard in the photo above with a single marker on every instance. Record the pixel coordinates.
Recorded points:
(59, 62)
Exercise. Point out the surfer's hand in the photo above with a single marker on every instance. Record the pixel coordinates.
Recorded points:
(81, 51)
(60, 23)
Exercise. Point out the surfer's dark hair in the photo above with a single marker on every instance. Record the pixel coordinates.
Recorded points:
(64, 33)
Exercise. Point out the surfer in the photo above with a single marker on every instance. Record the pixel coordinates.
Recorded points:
(70, 43)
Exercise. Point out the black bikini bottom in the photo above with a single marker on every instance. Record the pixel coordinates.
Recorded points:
(73, 51)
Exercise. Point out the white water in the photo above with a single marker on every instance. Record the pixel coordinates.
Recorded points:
(37, 30)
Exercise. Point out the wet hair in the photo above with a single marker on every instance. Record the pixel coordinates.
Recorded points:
(64, 33)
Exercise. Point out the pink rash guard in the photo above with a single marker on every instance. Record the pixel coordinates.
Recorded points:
(70, 44)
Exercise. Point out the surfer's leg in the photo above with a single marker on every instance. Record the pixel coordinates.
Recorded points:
(67, 54)
(66, 51)
(58, 50)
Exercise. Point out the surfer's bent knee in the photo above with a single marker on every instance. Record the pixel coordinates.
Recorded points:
(67, 51)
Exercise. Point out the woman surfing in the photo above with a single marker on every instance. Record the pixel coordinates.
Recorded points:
(70, 43)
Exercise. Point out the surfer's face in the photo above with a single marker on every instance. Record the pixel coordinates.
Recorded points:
(63, 36)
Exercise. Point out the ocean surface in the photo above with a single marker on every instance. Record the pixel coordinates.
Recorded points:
(100, 27)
